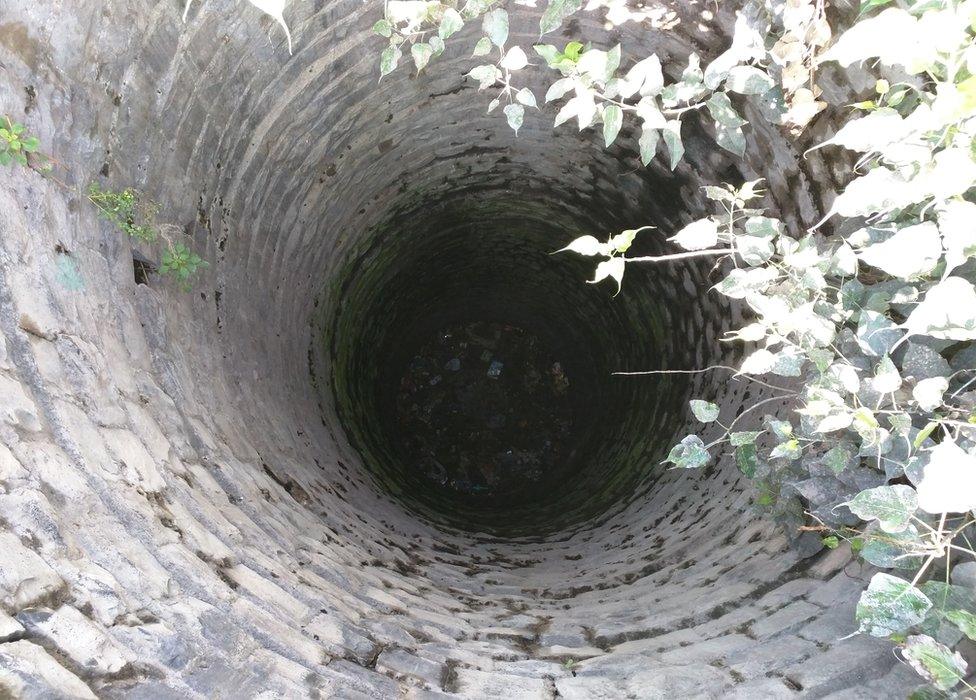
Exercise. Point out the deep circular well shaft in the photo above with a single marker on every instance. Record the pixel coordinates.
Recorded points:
(205, 494)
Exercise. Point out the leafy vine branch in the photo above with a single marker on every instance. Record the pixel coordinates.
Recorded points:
(874, 322)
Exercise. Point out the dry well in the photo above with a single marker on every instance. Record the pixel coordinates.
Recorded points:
(198, 494)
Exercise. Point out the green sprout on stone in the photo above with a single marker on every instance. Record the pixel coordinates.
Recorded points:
(180, 263)
(133, 215)
(16, 144)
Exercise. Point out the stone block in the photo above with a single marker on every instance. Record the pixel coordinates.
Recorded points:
(9, 627)
(77, 637)
(28, 671)
(401, 665)
(25, 578)
(785, 619)
(481, 684)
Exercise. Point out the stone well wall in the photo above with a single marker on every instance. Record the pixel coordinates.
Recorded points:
(196, 499)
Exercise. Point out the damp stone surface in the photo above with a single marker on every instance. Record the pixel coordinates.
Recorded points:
(200, 492)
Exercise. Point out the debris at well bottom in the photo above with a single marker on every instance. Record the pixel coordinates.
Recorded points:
(483, 408)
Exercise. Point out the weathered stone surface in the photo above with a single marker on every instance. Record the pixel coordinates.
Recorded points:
(398, 664)
(9, 627)
(653, 682)
(964, 574)
(25, 578)
(27, 671)
(481, 684)
(77, 637)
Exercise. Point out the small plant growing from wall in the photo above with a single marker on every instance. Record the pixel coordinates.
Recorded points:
(181, 264)
(127, 209)
(135, 215)
(18, 147)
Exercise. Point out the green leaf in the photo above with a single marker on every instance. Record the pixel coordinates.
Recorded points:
(672, 139)
(451, 23)
(732, 139)
(964, 620)
(948, 482)
(928, 393)
(559, 88)
(740, 283)
(912, 252)
(719, 194)
(515, 59)
(648, 144)
(31, 144)
(525, 97)
(891, 36)
(764, 227)
(495, 26)
(831, 542)
(623, 240)
(705, 411)
(587, 245)
(889, 550)
(948, 311)
(890, 605)
(486, 75)
(754, 250)
(698, 235)
(556, 12)
(690, 453)
(838, 458)
(514, 113)
(934, 661)
(747, 458)
(880, 189)
(389, 59)
(886, 378)
(614, 268)
(720, 107)
(892, 506)
(573, 50)
(789, 450)
(483, 47)
(475, 8)
(759, 361)
(383, 28)
(421, 54)
(748, 80)
(645, 77)
(924, 433)
(744, 438)
(613, 118)
(549, 53)
(958, 234)
(583, 107)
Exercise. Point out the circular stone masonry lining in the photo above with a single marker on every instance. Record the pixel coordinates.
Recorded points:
(202, 495)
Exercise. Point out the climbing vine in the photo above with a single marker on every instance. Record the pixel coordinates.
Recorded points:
(867, 333)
